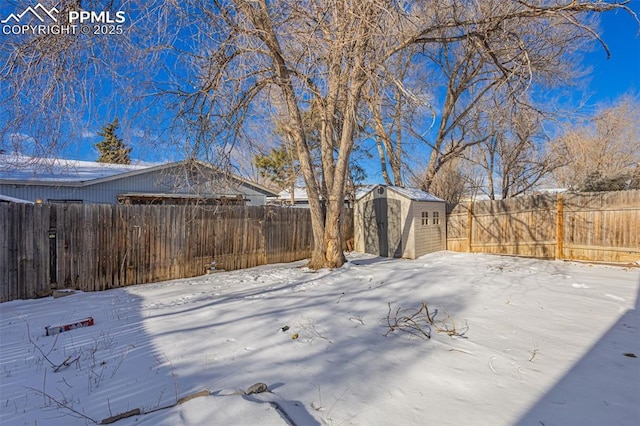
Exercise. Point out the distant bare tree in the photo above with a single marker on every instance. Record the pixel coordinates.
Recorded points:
(509, 56)
(454, 181)
(606, 144)
(514, 157)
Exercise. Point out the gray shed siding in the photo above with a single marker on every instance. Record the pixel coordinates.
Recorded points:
(388, 223)
(106, 191)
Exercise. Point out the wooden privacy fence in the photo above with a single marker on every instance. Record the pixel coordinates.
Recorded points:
(602, 227)
(97, 247)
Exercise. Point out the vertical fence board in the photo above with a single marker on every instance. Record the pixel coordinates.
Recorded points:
(14, 241)
(4, 251)
(25, 253)
(6, 225)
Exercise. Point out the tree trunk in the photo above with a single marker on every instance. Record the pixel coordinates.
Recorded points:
(383, 162)
(490, 165)
(334, 256)
(262, 22)
(317, 260)
(430, 174)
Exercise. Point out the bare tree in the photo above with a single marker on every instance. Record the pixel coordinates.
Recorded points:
(504, 47)
(398, 100)
(524, 161)
(56, 83)
(514, 157)
(608, 143)
(227, 57)
(454, 180)
(305, 53)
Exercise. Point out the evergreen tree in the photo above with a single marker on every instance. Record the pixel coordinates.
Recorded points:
(112, 148)
(597, 182)
(278, 166)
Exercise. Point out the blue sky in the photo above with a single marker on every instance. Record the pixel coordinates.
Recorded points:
(621, 73)
(610, 78)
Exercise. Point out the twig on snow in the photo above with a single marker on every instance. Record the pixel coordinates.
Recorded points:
(421, 322)
(64, 405)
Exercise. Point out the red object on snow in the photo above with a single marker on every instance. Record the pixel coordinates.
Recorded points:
(86, 322)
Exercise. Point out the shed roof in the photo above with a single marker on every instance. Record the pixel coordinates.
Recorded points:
(414, 194)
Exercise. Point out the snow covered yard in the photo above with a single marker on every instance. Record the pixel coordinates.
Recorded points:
(543, 343)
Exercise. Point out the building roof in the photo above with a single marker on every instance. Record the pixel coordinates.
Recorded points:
(414, 194)
(19, 169)
(7, 199)
(300, 194)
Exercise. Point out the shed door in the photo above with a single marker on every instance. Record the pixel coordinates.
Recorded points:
(370, 227)
(382, 234)
(394, 231)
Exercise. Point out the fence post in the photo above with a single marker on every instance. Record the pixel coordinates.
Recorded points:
(560, 229)
(469, 226)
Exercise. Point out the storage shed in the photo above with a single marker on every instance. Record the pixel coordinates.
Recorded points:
(392, 221)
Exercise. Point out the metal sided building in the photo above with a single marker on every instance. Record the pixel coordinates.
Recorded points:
(69, 181)
(392, 221)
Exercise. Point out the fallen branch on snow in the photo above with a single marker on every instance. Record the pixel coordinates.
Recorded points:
(421, 322)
